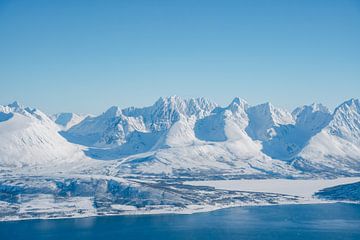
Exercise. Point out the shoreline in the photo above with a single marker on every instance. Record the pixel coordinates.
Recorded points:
(205, 209)
(282, 186)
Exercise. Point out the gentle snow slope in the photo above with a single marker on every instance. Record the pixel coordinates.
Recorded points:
(29, 137)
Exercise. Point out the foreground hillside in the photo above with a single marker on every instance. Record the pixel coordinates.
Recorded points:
(28, 137)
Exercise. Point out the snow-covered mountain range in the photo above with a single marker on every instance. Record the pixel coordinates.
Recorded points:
(189, 136)
(136, 160)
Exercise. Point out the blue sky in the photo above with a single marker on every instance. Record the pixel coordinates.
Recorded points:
(84, 56)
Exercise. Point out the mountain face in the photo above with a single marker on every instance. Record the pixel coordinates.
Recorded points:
(29, 137)
(92, 130)
(264, 118)
(336, 147)
(289, 138)
(346, 121)
(190, 136)
(312, 118)
(223, 123)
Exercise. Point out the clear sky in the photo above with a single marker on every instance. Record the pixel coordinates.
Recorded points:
(84, 56)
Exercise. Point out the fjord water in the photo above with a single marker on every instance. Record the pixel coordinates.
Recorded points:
(318, 221)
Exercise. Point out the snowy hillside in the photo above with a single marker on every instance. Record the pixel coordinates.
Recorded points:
(29, 137)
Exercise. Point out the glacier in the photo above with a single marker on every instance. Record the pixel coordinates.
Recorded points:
(138, 160)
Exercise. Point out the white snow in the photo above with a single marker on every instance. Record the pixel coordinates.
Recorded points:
(30, 138)
(122, 207)
(264, 118)
(337, 146)
(304, 188)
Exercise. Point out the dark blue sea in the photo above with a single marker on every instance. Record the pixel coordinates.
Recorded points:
(286, 222)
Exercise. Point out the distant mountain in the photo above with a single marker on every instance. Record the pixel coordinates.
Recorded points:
(67, 120)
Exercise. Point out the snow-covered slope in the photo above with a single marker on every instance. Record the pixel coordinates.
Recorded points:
(264, 118)
(312, 118)
(67, 120)
(29, 137)
(336, 148)
(109, 128)
(224, 123)
(288, 139)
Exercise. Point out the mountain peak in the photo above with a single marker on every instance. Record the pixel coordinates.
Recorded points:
(238, 101)
(309, 109)
(318, 107)
(271, 113)
(353, 102)
(346, 121)
(267, 106)
(264, 118)
(168, 100)
(236, 104)
(351, 106)
(113, 111)
(191, 106)
(15, 104)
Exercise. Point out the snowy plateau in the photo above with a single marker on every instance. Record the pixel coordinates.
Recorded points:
(176, 156)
